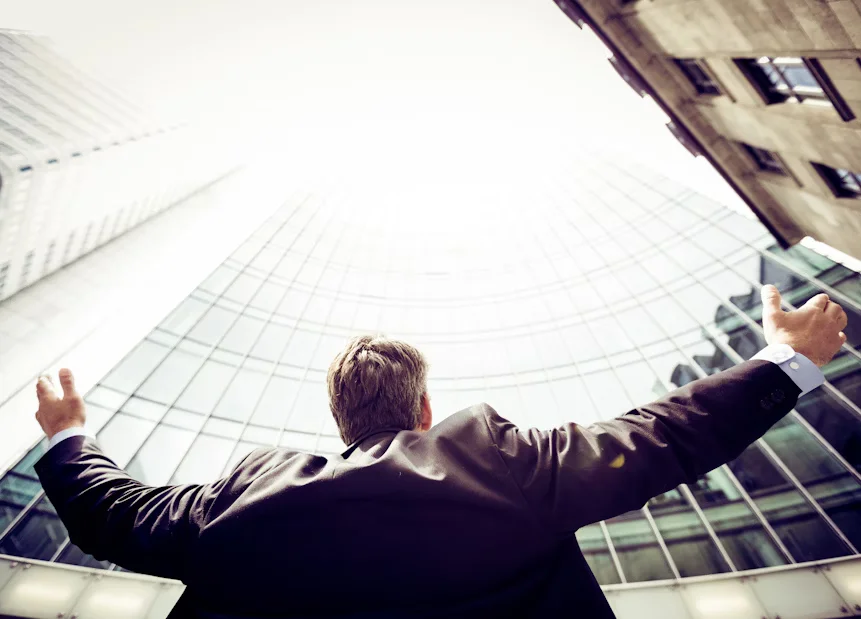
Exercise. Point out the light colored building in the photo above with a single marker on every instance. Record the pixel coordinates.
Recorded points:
(80, 164)
(769, 91)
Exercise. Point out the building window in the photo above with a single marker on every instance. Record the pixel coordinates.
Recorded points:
(698, 75)
(843, 183)
(794, 80)
(68, 249)
(765, 159)
(4, 271)
(25, 269)
(48, 255)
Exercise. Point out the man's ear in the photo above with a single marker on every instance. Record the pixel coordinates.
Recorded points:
(427, 415)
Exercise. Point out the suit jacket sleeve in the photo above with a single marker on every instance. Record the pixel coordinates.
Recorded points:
(113, 517)
(575, 475)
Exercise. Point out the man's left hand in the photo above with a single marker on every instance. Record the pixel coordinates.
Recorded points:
(56, 414)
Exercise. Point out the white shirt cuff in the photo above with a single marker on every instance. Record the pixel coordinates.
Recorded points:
(799, 368)
(62, 435)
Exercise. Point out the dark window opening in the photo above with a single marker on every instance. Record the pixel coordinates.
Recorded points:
(765, 159)
(843, 183)
(697, 74)
(793, 79)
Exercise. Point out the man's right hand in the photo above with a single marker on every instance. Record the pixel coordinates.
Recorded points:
(814, 330)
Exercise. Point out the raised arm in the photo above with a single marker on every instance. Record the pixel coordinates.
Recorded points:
(107, 513)
(575, 475)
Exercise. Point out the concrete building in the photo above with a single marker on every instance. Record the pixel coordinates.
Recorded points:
(80, 164)
(613, 287)
(769, 91)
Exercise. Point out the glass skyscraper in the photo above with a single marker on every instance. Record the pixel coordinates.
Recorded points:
(606, 288)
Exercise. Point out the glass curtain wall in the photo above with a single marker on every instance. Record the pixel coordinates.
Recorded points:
(606, 289)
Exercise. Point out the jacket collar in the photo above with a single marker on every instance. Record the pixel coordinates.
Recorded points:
(355, 444)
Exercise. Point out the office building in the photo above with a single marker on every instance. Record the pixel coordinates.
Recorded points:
(769, 91)
(615, 286)
(80, 164)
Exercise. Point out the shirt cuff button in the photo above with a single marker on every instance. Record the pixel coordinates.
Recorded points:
(794, 365)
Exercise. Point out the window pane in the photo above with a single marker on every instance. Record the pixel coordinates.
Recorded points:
(168, 380)
(38, 535)
(240, 451)
(157, 459)
(687, 540)
(827, 481)
(19, 486)
(242, 335)
(311, 404)
(241, 396)
(637, 548)
(276, 402)
(831, 417)
(639, 326)
(268, 297)
(799, 527)
(184, 316)
(271, 344)
(123, 435)
(243, 288)
(204, 461)
(594, 547)
(72, 555)
(212, 326)
(609, 335)
(745, 539)
(640, 383)
(300, 349)
(206, 387)
(129, 373)
(607, 393)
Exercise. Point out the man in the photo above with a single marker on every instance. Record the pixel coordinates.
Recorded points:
(471, 518)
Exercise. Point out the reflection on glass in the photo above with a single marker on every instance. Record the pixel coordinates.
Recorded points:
(19, 486)
(746, 541)
(799, 527)
(844, 373)
(689, 544)
(827, 481)
(37, 535)
(72, 555)
(594, 547)
(638, 550)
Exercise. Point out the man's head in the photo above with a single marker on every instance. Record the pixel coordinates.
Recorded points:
(378, 383)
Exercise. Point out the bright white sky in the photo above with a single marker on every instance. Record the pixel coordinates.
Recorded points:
(422, 86)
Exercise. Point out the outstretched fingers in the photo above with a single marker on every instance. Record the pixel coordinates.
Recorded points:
(45, 389)
(67, 381)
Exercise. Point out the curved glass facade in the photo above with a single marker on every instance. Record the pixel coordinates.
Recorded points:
(599, 293)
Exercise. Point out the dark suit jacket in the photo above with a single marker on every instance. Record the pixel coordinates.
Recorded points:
(473, 518)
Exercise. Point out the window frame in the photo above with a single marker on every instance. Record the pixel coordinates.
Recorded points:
(752, 68)
(761, 156)
(687, 66)
(835, 181)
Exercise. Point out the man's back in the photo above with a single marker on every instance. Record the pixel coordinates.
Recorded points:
(406, 522)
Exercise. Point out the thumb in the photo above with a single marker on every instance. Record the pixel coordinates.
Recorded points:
(770, 301)
(67, 381)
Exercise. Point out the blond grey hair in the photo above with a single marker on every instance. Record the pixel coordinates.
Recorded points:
(375, 383)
